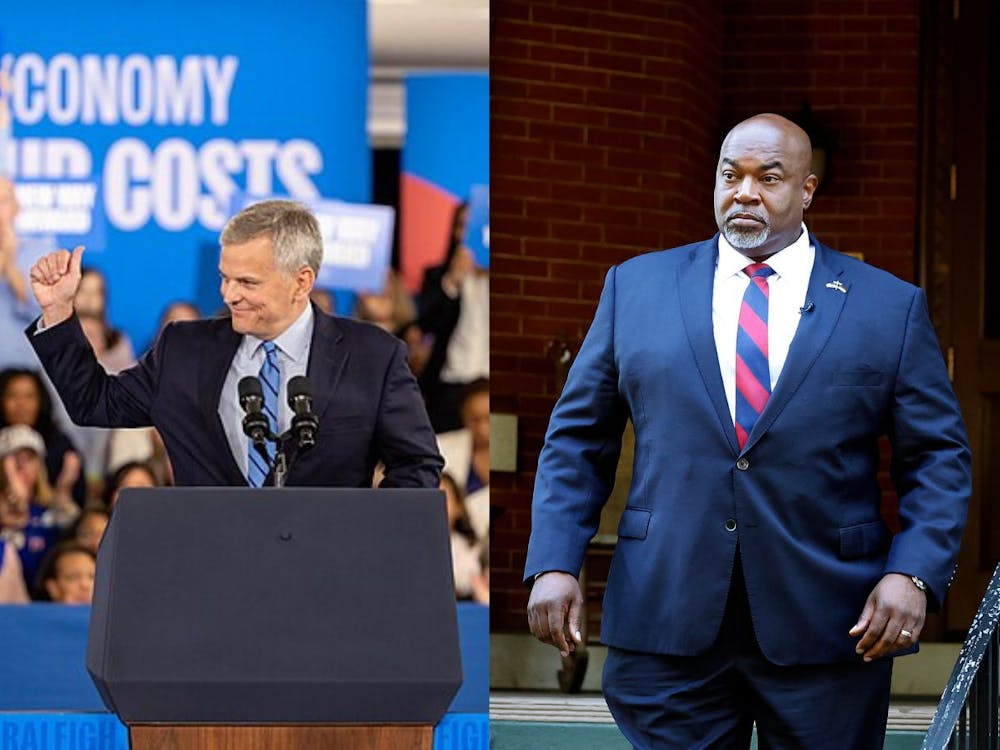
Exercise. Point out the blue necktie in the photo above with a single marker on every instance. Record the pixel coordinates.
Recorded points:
(753, 374)
(270, 382)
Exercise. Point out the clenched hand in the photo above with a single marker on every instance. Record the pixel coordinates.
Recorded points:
(54, 281)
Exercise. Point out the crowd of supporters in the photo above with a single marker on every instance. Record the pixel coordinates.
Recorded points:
(59, 482)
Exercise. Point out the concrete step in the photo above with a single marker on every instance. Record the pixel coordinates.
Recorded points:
(555, 720)
(590, 708)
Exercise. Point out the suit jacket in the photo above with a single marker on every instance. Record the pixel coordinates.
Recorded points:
(803, 492)
(364, 394)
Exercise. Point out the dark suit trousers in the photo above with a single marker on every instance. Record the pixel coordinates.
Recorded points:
(713, 700)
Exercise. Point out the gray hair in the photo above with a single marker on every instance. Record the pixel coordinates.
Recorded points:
(291, 227)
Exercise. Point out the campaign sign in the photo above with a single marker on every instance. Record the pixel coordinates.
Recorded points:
(68, 210)
(477, 225)
(357, 245)
(169, 113)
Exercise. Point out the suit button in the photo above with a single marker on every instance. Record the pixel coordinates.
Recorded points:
(743, 464)
(730, 524)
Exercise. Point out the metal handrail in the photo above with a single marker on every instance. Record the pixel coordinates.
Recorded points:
(968, 714)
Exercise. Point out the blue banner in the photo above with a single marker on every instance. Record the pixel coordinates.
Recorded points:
(446, 152)
(170, 112)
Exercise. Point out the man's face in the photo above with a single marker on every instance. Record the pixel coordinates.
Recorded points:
(762, 188)
(74, 579)
(263, 299)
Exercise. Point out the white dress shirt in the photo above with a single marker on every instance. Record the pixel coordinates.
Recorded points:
(293, 346)
(788, 284)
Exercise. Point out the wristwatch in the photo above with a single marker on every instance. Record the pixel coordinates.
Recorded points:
(919, 584)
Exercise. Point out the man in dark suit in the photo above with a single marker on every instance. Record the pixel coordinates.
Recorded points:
(365, 397)
(754, 580)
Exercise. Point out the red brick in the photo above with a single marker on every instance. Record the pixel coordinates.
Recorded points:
(551, 289)
(580, 38)
(578, 115)
(557, 55)
(550, 93)
(583, 77)
(551, 170)
(560, 17)
(509, 28)
(554, 209)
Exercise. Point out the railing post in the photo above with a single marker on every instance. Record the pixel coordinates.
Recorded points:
(968, 714)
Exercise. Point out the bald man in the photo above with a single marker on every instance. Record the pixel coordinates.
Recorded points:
(754, 580)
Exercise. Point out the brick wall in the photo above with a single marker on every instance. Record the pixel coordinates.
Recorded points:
(606, 120)
(858, 65)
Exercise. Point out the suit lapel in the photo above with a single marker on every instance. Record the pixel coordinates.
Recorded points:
(813, 332)
(212, 376)
(695, 282)
(327, 358)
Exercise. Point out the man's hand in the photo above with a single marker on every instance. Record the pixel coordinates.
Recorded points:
(554, 610)
(54, 281)
(893, 606)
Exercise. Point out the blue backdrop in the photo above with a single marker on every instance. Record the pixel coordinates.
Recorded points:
(446, 153)
(171, 110)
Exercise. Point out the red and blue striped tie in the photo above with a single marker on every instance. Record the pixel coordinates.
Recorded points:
(753, 377)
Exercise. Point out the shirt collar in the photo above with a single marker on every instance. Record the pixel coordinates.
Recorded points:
(786, 262)
(293, 342)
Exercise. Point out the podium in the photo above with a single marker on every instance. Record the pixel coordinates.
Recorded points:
(276, 618)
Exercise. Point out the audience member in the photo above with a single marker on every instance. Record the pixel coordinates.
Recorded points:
(12, 588)
(114, 352)
(134, 474)
(466, 454)
(389, 309)
(17, 305)
(34, 512)
(323, 299)
(454, 307)
(178, 311)
(67, 575)
(466, 550)
(418, 346)
(111, 346)
(24, 400)
(89, 528)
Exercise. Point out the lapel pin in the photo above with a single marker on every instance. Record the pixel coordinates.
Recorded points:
(836, 285)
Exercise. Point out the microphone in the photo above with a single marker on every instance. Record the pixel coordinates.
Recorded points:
(807, 307)
(304, 423)
(255, 424)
